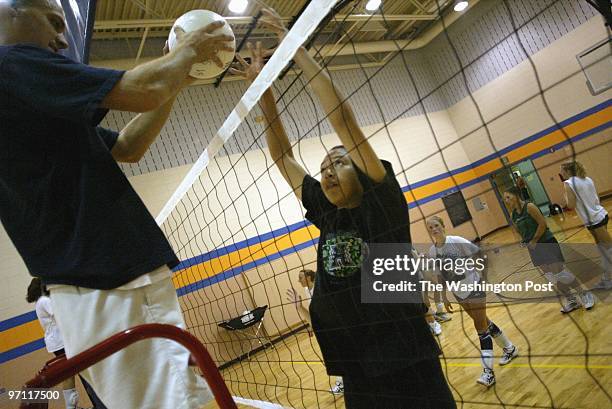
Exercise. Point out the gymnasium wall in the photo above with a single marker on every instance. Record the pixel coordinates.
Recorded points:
(250, 272)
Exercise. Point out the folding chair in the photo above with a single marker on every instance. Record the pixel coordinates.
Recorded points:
(249, 324)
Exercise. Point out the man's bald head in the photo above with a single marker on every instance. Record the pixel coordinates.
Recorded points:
(20, 4)
(37, 22)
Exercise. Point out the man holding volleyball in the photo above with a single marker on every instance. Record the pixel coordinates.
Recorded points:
(71, 213)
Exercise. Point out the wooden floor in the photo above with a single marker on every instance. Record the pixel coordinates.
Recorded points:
(565, 360)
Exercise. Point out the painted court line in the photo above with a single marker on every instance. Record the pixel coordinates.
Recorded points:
(259, 404)
(467, 365)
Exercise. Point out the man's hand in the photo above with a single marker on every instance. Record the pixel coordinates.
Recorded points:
(188, 79)
(251, 70)
(273, 22)
(203, 43)
(148, 86)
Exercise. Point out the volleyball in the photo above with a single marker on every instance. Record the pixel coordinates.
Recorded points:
(194, 20)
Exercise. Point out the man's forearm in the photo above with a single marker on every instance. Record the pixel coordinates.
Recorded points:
(168, 72)
(148, 86)
(138, 135)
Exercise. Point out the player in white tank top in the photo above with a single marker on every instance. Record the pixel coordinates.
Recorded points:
(581, 194)
(586, 199)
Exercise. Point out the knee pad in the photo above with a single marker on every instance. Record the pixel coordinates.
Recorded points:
(486, 341)
(565, 277)
(493, 329)
(483, 335)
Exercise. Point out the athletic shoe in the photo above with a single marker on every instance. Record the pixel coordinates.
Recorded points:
(570, 304)
(587, 299)
(338, 388)
(487, 378)
(442, 316)
(604, 284)
(435, 328)
(509, 355)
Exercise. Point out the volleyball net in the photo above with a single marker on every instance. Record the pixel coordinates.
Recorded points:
(458, 105)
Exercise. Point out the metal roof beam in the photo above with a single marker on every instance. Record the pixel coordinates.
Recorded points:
(162, 23)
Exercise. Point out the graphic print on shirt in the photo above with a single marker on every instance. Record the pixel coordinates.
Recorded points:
(450, 252)
(342, 254)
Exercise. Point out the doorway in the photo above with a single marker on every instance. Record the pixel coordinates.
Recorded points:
(524, 176)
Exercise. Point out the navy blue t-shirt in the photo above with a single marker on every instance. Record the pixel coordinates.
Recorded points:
(64, 202)
(356, 338)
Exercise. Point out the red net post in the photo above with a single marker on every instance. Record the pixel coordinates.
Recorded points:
(58, 370)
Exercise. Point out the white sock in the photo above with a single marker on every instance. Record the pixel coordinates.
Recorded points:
(486, 355)
(439, 308)
(486, 349)
(71, 397)
(502, 341)
(499, 337)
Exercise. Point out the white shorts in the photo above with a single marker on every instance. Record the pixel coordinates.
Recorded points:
(149, 374)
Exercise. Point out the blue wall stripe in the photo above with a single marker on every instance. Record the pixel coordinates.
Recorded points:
(545, 132)
(240, 269)
(583, 135)
(532, 156)
(22, 350)
(508, 149)
(18, 320)
(222, 251)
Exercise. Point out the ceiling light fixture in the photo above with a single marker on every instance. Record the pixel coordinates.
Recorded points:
(238, 6)
(373, 5)
(460, 5)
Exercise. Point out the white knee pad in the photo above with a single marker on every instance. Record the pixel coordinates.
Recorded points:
(565, 277)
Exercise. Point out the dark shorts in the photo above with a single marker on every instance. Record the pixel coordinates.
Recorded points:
(421, 386)
(548, 252)
(602, 223)
(59, 352)
(477, 296)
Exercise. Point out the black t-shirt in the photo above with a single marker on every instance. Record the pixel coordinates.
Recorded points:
(64, 202)
(355, 338)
